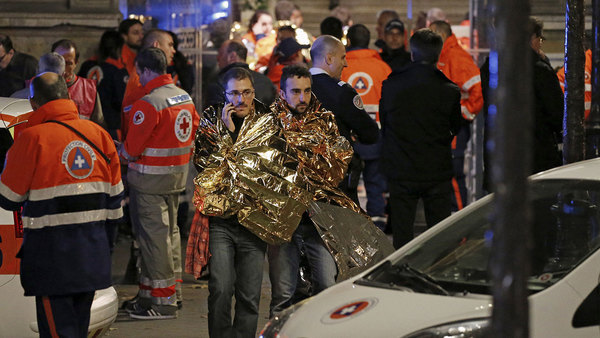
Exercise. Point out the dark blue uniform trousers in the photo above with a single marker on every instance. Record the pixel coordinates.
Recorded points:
(65, 316)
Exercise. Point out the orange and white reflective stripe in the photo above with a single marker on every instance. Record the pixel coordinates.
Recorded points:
(75, 189)
(86, 216)
(166, 152)
(471, 82)
(466, 113)
(158, 170)
(162, 292)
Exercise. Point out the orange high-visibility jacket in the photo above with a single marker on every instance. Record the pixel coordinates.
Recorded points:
(588, 81)
(162, 126)
(459, 67)
(365, 73)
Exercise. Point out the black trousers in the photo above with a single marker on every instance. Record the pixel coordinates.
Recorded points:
(404, 196)
(65, 316)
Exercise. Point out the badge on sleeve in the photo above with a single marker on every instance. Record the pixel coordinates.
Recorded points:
(138, 117)
(358, 103)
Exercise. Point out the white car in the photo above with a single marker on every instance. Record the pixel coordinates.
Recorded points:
(439, 284)
(17, 313)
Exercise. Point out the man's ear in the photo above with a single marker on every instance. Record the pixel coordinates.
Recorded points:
(232, 57)
(282, 93)
(155, 44)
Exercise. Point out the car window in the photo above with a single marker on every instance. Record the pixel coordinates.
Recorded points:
(565, 229)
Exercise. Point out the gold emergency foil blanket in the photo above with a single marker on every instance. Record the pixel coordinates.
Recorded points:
(253, 178)
(354, 241)
(323, 154)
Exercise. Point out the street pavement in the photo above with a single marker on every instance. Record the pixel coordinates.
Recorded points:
(192, 320)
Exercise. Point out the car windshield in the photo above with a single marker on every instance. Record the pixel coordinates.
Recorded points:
(565, 231)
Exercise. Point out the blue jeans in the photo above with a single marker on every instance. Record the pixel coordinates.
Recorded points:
(236, 267)
(284, 261)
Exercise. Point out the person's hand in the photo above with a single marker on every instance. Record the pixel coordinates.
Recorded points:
(228, 109)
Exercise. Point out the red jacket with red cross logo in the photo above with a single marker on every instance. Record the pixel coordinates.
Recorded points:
(365, 73)
(162, 126)
(459, 67)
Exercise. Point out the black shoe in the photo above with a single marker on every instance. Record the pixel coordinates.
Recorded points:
(179, 304)
(132, 305)
(152, 314)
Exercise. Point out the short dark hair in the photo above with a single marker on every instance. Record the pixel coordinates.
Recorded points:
(152, 58)
(126, 24)
(153, 35)
(426, 45)
(45, 91)
(239, 48)
(332, 26)
(284, 9)
(6, 42)
(358, 36)
(536, 26)
(255, 17)
(110, 46)
(293, 71)
(237, 73)
(66, 44)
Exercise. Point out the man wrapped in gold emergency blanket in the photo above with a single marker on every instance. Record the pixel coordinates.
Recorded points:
(279, 167)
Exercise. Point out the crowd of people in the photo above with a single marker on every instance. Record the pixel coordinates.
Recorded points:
(288, 120)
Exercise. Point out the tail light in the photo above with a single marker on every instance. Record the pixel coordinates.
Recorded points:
(18, 223)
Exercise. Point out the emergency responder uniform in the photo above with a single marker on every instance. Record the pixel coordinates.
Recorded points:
(71, 191)
(352, 121)
(83, 92)
(588, 81)
(459, 67)
(158, 148)
(365, 73)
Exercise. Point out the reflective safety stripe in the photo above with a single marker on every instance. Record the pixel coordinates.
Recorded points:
(11, 195)
(161, 291)
(83, 117)
(588, 87)
(471, 82)
(87, 216)
(75, 189)
(588, 105)
(466, 113)
(371, 108)
(562, 84)
(123, 153)
(157, 283)
(166, 152)
(158, 170)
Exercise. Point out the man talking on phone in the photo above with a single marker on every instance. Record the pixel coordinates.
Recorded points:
(237, 254)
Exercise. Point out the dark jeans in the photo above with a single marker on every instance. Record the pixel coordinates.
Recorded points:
(236, 268)
(284, 263)
(403, 206)
(65, 316)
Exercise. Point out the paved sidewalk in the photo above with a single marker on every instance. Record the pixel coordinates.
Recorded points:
(192, 320)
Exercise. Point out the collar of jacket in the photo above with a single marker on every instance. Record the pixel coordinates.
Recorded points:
(450, 43)
(158, 81)
(117, 63)
(364, 53)
(61, 110)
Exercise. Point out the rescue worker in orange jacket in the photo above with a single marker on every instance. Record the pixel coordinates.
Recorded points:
(64, 172)
(365, 73)
(81, 90)
(588, 81)
(460, 68)
(158, 149)
(134, 90)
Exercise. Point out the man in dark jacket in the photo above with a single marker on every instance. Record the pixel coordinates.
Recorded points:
(548, 105)
(354, 123)
(420, 113)
(232, 54)
(393, 51)
(15, 67)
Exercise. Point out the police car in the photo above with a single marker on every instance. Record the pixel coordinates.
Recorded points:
(17, 313)
(439, 284)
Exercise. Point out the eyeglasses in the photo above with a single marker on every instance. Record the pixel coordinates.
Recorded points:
(245, 93)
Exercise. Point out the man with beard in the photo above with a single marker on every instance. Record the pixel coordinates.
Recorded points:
(132, 32)
(296, 96)
(237, 254)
